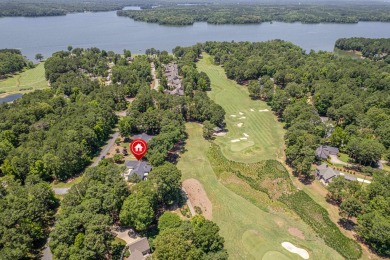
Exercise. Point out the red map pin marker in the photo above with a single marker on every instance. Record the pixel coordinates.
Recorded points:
(138, 148)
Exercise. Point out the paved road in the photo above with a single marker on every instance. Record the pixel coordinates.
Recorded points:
(106, 148)
(155, 79)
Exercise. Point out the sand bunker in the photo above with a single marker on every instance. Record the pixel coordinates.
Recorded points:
(252, 110)
(243, 138)
(198, 197)
(246, 135)
(233, 115)
(243, 117)
(220, 134)
(296, 250)
(240, 113)
(235, 140)
(263, 110)
(240, 124)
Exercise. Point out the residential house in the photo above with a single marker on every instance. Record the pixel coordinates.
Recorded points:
(324, 151)
(139, 249)
(139, 168)
(326, 174)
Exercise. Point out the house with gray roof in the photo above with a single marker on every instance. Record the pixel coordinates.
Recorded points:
(143, 136)
(324, 151)
(139, 168)
(325, 174)
(139, 249)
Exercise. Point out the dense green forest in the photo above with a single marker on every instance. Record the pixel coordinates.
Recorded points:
(87, 211)
(54, 133)
(244, 14)
(25, 214)
(103, 199)
(375, 49)
(11, 61)
(371, 207)
(300, 87)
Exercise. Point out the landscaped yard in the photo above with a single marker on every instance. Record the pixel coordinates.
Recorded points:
(254, 132)
(343, 157)
(27, 81)
(252, 225)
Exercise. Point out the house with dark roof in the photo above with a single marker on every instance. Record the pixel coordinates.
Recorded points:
(139, 168)
(139, 249)
(325, 174)
(143, 136)
(324, 151)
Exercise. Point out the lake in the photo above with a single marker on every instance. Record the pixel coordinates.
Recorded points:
(107, 31)
(10, 98)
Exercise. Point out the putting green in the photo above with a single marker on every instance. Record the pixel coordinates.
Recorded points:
(245, 118)
(275, 255)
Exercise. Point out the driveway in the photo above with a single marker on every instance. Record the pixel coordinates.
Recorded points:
(335, 160)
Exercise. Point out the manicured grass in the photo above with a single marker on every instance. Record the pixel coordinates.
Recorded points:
(265, 134)
(30, 78)
(344, 157)
(250, 222)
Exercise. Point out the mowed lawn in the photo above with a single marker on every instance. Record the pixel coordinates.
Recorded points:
(30, 78)
(250, 232)
(260, 136)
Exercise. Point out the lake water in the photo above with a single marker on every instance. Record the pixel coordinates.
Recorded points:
(107, 31)
(10, 98)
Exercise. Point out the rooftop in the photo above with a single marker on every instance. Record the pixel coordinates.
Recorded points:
(326, 172)
(141, 245)
(324, 151)
(140, 168)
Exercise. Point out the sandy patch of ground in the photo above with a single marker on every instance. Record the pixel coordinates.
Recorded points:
(296, 232)
(246, 135)
(240, 124)
(240, 113)
(220, 134)
(198, 197)
(235, 140)
(233, 115)
(263, 110)
(252, 110)
(243, 117)
(296, 250)
(243, 138)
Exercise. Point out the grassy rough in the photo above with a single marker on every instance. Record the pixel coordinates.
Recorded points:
(26, 81)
